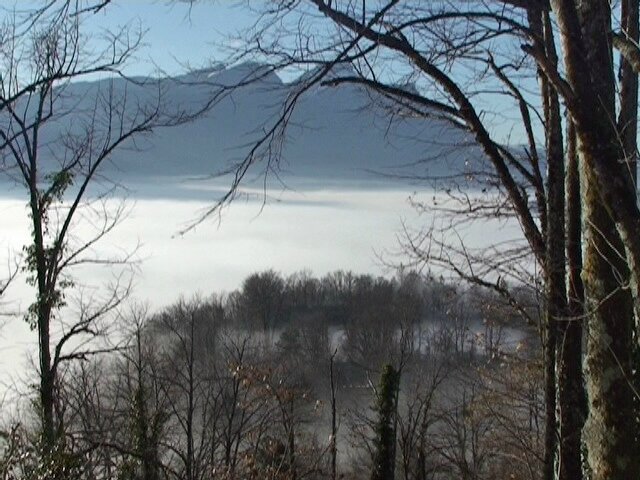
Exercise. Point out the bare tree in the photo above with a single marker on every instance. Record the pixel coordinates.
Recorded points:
(188, 332)
(55, 147)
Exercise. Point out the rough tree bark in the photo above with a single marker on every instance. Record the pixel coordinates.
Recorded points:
(609, 431)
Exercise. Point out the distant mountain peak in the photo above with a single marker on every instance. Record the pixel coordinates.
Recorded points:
(337, 71)
(209, 71)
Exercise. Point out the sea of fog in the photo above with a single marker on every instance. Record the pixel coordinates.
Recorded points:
(318, 226)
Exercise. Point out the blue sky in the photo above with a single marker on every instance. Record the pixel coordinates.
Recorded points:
(176, 33)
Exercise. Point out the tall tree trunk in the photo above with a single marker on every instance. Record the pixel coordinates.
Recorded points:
(189, 467)
(43, 319)
(571, 394)
(333, 446)
(609, 430)
(555, 260)
(555, 305)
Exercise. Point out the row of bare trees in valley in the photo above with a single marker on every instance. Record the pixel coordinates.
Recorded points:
(197, 392)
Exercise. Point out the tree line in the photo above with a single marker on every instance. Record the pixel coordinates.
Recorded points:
(207, 388)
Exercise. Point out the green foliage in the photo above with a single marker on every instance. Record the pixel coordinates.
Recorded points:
(47, 252)
(59, 182)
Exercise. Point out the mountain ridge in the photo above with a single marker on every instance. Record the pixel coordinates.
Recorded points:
(334, 132)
